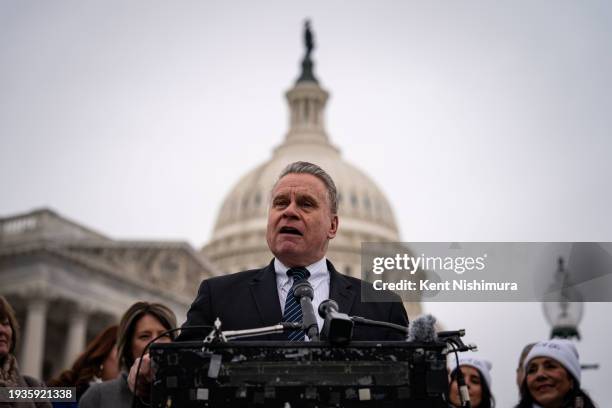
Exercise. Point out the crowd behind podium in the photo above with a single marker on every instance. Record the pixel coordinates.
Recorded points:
(548, 373)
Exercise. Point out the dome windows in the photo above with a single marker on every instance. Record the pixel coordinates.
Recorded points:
(354, 201)
(366, 203)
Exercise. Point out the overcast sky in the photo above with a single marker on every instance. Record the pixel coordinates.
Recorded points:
(481, 121)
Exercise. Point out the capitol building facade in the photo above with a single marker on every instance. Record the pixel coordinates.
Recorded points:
(67, 282)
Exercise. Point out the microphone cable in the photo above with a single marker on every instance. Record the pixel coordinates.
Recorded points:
(463, 391)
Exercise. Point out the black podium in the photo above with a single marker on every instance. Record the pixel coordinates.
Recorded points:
(299, 374)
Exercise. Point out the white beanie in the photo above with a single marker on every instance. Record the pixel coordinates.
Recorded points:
(564, 351)
(482, 365)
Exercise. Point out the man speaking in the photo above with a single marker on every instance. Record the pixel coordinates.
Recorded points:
(302, 218)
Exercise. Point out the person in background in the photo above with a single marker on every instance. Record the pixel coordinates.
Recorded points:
(141, 323)
(520, 372)
(96, 364)
(9, 369)
(477, 374)
(552, 377)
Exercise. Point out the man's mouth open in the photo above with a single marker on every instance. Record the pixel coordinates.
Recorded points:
(291, 231)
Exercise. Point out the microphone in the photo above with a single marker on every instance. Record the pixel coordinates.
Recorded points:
(464, 391)
(304, 293)
(338, 327)
(291, 325)
(422, 329)
(451, 333)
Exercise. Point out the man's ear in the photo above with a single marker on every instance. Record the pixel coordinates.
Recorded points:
(333, 229)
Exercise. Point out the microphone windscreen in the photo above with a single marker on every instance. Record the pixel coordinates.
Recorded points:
(326, 306)
(422, 329)
(303, 288)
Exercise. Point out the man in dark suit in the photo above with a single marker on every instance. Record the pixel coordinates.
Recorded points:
(302, 219)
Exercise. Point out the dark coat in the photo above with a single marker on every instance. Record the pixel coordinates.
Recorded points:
(249, 299)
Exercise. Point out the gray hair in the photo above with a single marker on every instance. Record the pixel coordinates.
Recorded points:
(302, 167)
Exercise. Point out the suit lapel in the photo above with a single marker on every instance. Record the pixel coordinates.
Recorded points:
(265, 295)
(340, 289)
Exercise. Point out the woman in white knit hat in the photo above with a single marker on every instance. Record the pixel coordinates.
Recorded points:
(477, 374)
(552, 377)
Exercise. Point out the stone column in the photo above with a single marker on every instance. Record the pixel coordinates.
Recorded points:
(34, 337)
(77, 332)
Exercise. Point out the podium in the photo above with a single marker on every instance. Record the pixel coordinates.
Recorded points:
(299, 374)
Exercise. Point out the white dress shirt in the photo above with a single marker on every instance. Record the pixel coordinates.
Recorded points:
(319, 279)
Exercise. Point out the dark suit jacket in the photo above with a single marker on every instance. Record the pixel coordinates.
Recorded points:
(249, 299)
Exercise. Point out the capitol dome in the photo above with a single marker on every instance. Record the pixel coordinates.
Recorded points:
(238, 240)
(239, 237)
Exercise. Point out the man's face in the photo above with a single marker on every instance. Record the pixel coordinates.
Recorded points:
(300, 222)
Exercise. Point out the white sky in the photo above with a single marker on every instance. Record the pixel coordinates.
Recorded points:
(482, 121)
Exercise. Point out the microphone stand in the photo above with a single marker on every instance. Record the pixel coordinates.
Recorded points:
(218, 336)
(304, 293)
(262, 331)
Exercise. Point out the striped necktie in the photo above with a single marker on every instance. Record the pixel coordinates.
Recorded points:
(293, 309)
